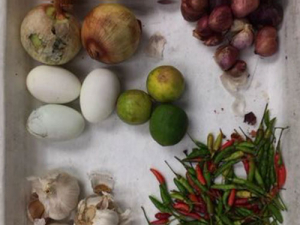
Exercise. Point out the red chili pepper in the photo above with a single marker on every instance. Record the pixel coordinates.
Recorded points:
(241, 201)
(246, 165)
(281, 179)
(274, 191)
(215, 193)
(181, 206)
(211, 166)
(227, 144)
(200, 209)
(198, 159)
(162, 221)
(191, 182)
(193, 198)
(158, 176)
(192, 215)
(231, 197)
(162, 216)
(200, 176)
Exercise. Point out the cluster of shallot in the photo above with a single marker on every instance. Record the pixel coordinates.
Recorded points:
(236, 24)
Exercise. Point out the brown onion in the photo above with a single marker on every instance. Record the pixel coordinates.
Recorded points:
(244, 38)
(203, 30)
(214, 40)
(242, 8)
(192, 10)
(238, 69)
(266, 43)
(111, 33)
(267, 15)
(226, 56)
(220, 19)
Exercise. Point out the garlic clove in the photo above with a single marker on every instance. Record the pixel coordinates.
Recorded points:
(35, 210)
(101, 182)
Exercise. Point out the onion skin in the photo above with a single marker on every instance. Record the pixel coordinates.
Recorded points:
(226, 56)
(266, 43)
(49, 37)
(192, 10)
(111, 33)
(220, 19)
(267, 15)
(244, 38)
(242, 8)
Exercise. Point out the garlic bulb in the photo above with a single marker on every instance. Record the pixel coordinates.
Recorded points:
(100, 209)
(58, 193)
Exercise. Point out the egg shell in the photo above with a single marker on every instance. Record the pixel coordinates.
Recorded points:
(55, 122)
(99, 94)
(51, 84)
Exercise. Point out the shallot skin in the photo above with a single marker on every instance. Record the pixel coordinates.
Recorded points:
(111, 33)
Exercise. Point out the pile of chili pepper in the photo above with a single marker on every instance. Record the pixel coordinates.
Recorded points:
(199, 199)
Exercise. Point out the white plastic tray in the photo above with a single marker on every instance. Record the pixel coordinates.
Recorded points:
(129, 151)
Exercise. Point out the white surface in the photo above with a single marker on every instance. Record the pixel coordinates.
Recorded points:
(128, 151)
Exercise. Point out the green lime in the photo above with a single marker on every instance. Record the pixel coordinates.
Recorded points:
(165, 84)
(134, 107)
(168, 124)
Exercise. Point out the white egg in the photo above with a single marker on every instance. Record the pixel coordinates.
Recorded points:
(55, 122)
(51, 84)
(99, 94)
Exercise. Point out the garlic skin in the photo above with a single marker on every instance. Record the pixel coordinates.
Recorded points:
(100, 210)
(101, 182)
(58, 192)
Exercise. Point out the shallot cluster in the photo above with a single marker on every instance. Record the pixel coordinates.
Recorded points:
(240, 22)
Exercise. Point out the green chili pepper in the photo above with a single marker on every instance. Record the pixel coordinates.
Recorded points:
(236, 155)
(276, 213)
(252, 167)
(226, 220)
(218, 142)
(259, 136)
(193, 223)
(225, 167)
(246, 144)
(271, 165)
(180, 187)
(197, 153)
(270, 128)
(225, 197)
(210, 142)
(263, 164)
(222, 154)
(178, 196)
(224, 186)
(186, 184)
(209, 205)
(220, 207)
(258, 178)
(243, 212)
(160, 206)
(246, 150)
(249, 185)
(165, 196)
(266, 118)
(207, 175)
(219, 221)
